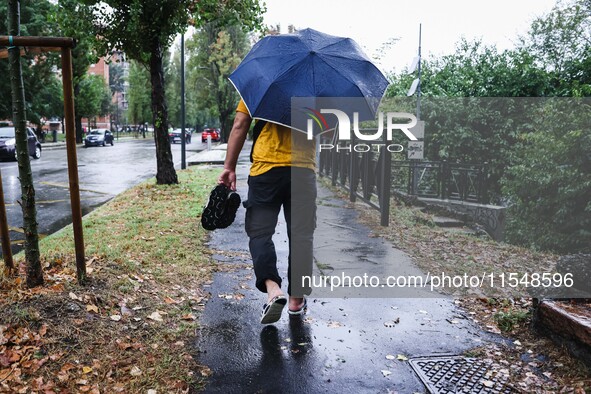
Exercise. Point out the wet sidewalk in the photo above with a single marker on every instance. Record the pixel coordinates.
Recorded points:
(343, 344)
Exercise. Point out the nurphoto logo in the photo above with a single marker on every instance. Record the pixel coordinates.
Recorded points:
(344, 130)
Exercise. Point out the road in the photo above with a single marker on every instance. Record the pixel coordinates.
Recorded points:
(103, 172)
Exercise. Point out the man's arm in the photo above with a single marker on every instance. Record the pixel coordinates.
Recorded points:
(235, 143)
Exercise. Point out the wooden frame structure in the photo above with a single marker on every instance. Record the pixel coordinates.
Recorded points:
(63, 45)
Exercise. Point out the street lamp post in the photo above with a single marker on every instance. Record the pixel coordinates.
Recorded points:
(183, 137)
(118, 118)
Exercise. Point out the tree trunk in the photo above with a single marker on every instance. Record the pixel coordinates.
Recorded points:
(34, 271)
(225, 130)
(78, 119)
(165, 172)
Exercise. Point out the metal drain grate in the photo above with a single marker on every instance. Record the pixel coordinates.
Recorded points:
(451, 375)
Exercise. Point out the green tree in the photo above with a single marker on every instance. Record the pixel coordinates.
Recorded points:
(73, 19)
(94, 98)
(51, 99)
(32, 257)
(116, 80)
(138, 94)
(216, 51)
(541, 172)
(172, 77)
(471, 130)
(560, 41)
(145, 29)
(38, 76)
(549, 184)
(549, 181)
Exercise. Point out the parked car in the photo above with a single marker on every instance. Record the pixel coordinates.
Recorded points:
(175, 136)
(96, 137)
(8, 144)
(214, 133)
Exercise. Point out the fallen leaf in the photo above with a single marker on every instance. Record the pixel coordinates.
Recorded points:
(55, 357)
(74, 296)
(188, 316)
(156, 316)
(386, 373)
(488, 383)
(205, 371)
(125, 311)
(86, 369)
(390, 357)
(92, 308)
(401, 357)
(62, 376)
(135, 371)
(115, 317)
(67, 366)
(334, 324)
(170, 300)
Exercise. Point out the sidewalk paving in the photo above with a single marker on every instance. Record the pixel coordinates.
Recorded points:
(342, 343)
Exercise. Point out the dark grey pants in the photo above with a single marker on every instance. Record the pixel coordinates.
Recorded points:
(294, 189)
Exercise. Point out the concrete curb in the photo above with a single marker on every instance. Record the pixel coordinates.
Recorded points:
(217, 155)
(566, 327)
(62, 145)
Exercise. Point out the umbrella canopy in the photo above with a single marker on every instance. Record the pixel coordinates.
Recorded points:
(307, 63)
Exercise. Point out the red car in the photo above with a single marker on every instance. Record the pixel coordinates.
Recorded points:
(214, 133)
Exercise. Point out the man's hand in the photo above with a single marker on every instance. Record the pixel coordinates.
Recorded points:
(228, 178)
(235, 143)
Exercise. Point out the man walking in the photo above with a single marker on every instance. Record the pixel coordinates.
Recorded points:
(281, 176)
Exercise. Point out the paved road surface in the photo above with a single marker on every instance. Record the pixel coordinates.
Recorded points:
(104, 172)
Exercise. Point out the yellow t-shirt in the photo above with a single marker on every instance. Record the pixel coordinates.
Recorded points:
(274, 148)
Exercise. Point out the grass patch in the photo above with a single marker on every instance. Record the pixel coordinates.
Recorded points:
(127, 329)
(511, 319)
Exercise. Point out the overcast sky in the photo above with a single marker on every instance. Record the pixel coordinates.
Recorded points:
(374, 22)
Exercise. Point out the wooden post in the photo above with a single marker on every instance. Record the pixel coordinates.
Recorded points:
(353, 172)
(73, 164)
(47, 43)
(385, 193)
(6, 251)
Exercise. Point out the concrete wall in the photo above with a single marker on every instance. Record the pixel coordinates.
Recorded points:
(491, 217)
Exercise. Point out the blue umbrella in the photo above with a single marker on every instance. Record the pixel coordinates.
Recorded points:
(309, 64)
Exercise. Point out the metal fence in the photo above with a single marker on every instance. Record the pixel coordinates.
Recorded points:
(365, 174)
(441, 180)
(370, 175)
